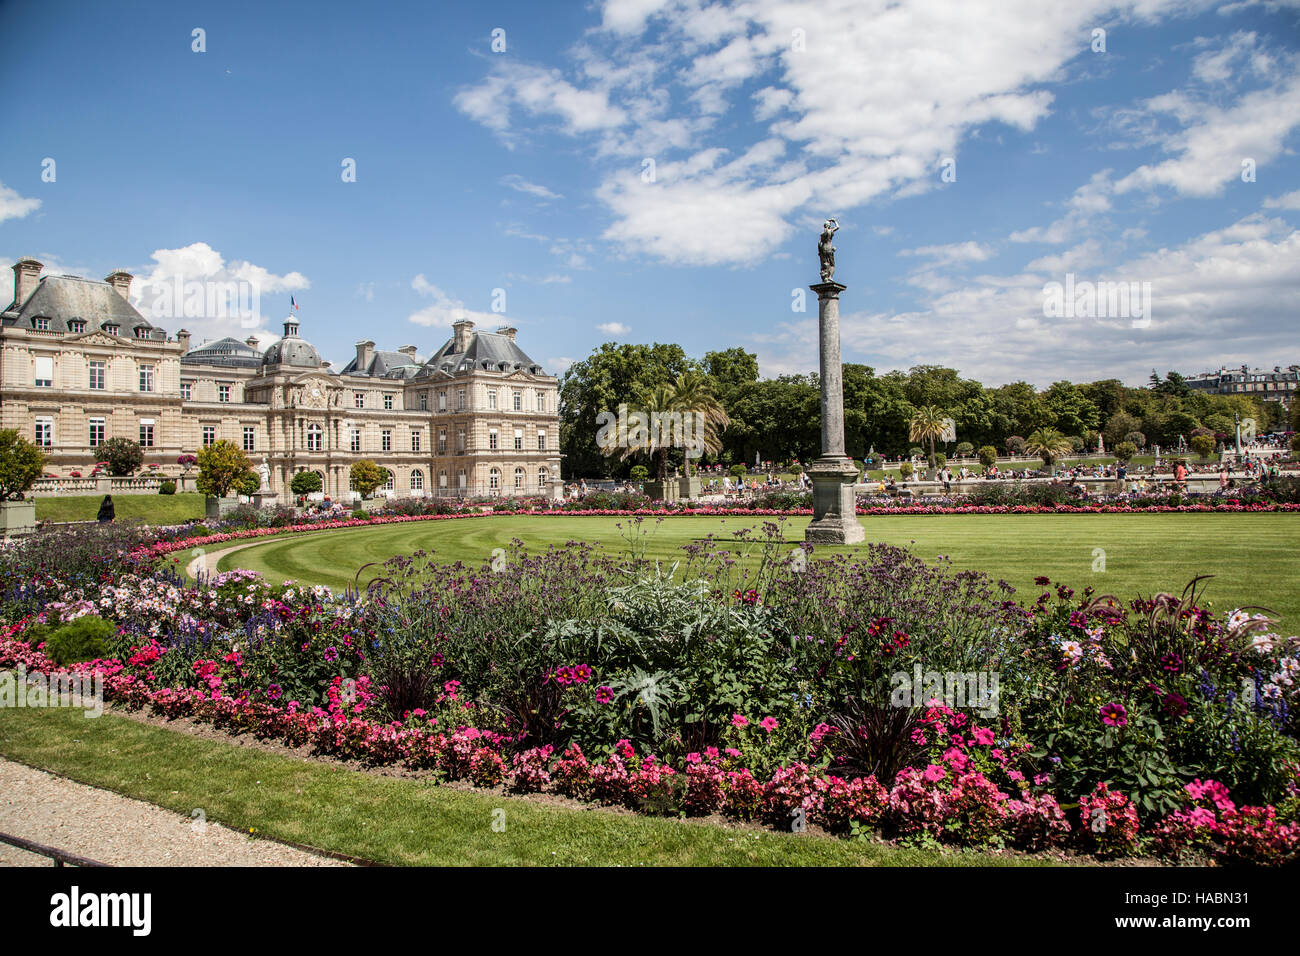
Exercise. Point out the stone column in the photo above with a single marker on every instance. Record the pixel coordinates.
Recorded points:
(834, 474)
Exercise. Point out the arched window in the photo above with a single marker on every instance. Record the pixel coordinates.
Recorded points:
(391, 483)
(442, 478)
(519, 477)
(542, 477)
(494, 479)
(417, 480)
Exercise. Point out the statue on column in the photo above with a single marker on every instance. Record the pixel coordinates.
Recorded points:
(264, 471)
(826, 251)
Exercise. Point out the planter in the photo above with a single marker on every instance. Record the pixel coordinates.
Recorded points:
(370, 504)
(661, 490)
(17, 518)
(688, 488)
(217, 508)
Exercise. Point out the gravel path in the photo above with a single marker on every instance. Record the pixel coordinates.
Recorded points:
(104, 826)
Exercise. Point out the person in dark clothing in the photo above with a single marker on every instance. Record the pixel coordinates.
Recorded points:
(106, 513)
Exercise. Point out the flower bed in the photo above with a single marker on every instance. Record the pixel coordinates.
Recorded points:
(818, 692)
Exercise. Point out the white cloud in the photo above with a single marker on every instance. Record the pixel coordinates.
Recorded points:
(519, 184)
(1228, 289)
(205, 277)
(952, 252)
(883, 91)
(14, 206)
(1289, 200)
(444, 310)
(613, 328)
(557, 366)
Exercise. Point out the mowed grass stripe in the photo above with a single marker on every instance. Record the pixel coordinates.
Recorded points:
(399, 820)
(1254, 557)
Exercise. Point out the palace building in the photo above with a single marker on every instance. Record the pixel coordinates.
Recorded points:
(79, 365)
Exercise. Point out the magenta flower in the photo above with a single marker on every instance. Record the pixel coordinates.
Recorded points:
(1114, 715)
(738, 720)
(769, 724)
(604, 695)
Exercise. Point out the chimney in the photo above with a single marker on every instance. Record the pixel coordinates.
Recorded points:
(121, 281)
(27, 272)
(408, 350)
(461, 333)
(508, 332)
(251, 341)
(365, 353)
(183, 337)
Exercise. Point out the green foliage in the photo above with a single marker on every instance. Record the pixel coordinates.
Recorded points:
(988, 456)
(365, 476)
(964, 449)
(21, 463)
(737, 471)
(305, 483)
(222, 468)
(84, 639)
(167, 488)
(1125, 451)
(250, 484)
(905, 469)
(1203, 445)
(124, 456)
(940, 459)
(639, 473)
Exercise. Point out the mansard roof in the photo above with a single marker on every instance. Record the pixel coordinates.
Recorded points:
(61, 299)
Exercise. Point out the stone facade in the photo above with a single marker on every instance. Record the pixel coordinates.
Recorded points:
(79, 365)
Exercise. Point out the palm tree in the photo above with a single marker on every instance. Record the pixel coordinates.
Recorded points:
(692, 395)
(927, 424)
(1049, 445)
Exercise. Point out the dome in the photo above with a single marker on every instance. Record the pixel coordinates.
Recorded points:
(292, 350)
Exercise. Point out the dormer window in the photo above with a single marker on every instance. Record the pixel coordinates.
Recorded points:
(112, 328)
(77, 325)
(41, 323)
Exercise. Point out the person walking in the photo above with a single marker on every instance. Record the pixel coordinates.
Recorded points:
(106, 511)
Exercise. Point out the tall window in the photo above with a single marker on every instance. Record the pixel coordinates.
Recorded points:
(460, 398)
(417, 480)
(519, 400)
(388, 402)
(492, 398)
(541, 477)
(386, 440)
(223, 393)
(442, 441)
(209, 435)
(442, 478)
(356, 439)
(415, 441)
(146, 378)
(43, 372)
(460, 441)
(519, 478)
(358, 399)
(494, 479)
(187, 391)
(442, 401)
(96, 432)
(250, 438)
(391, 483)
(146, 433)
(424, 401)
(44, 432)
(460, 479)
(96, 375)
(492, 439)
(541, 401)
(541, 439)
(313, 437)
(519, 439)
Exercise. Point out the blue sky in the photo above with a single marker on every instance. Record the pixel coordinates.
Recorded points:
(525, 169)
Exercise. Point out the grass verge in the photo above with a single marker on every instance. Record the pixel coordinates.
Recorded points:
(155, 509)
(401, 820)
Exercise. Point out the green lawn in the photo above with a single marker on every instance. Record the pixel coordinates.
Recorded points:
(155, 509)
(401, 820)
(1253, 556)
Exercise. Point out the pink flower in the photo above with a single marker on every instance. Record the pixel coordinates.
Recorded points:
(934, 773)
(983, 736)
(739, 721)
(769, 724)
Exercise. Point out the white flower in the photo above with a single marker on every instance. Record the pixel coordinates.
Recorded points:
(1072, 650)
(1237, 618)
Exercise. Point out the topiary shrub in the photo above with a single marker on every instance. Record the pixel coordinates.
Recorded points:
(167, 488)
(360, 514)
(84, 639)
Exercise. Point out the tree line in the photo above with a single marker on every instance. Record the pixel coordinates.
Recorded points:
(779, 419)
